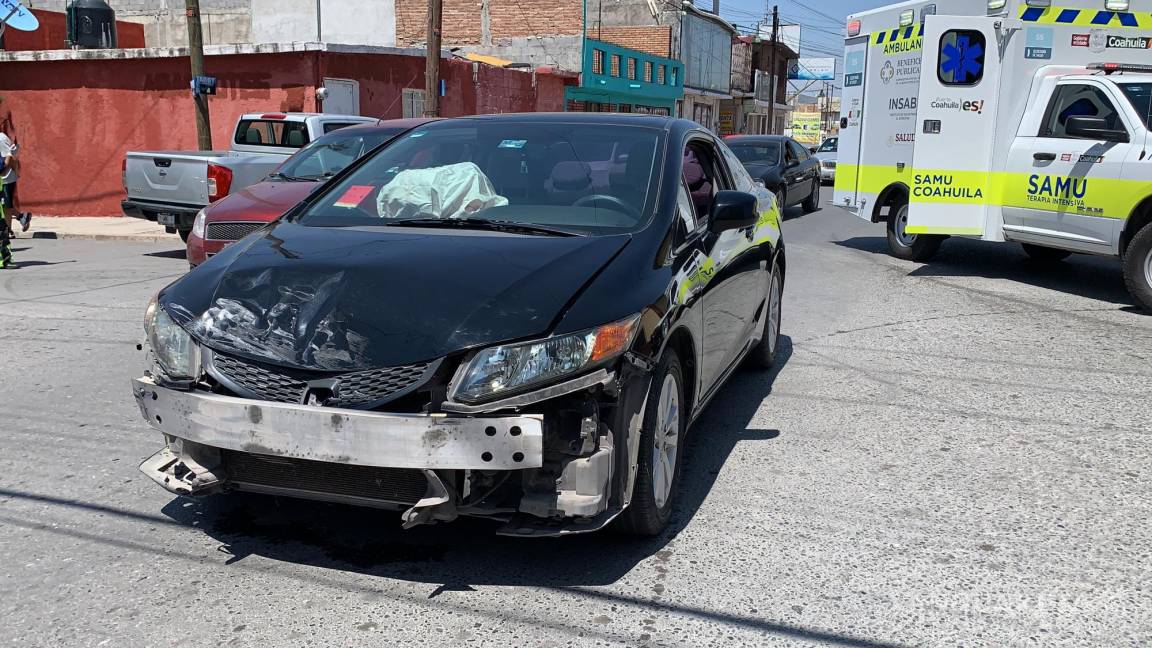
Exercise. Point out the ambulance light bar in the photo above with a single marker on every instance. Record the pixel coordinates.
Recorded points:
(1109, 68)
(907, 17)
(1039, 3)
(1116, 5)
(996, 5)
(853, 28)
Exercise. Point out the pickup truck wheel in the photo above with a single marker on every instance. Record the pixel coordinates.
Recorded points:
(812, 203)
(1042, 254)
(658, 472)
(910, 247)
(184, 234)
(763, 355)
(1138, 267)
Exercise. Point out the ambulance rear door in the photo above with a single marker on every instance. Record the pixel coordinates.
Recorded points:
(851, 124)
(953, 185)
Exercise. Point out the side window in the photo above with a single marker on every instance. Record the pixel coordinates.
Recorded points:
(685, 209)
(798, 152)
(962, 57)
(1078, 101)
(790, 155)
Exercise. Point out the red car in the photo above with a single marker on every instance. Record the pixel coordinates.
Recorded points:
(239, 214)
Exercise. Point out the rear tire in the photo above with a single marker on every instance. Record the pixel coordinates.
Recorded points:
(1041, 254)
(763, 355)
(661, 435)
(813, 201)
(1138, 267)
(910, 247)
(781, 202)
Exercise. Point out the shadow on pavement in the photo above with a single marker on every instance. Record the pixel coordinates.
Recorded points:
(182, 253)
(17, 264)
(466, 552)
(1093, 277)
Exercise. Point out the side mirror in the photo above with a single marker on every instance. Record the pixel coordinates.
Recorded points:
(1093, 128)
(812, 149)
(733, 210)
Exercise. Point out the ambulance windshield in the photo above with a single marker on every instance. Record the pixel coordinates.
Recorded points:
(1140, 94)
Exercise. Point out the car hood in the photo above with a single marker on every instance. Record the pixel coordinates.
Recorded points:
(760, 170)
(264, 201)
(339, 299)
(825, 157)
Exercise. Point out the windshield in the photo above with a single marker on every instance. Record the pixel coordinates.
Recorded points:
(329, 155)
(762, 153)
(829, 146)
(590, 178)
(1140, 94)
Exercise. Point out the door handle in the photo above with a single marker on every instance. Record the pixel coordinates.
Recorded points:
(1044, 157)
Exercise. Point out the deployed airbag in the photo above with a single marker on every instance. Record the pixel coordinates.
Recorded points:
(452, 191)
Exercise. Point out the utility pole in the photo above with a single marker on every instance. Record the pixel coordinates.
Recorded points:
(772, 69)
(432, 69)
(196, 53)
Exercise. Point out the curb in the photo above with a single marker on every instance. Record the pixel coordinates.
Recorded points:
(139, 238)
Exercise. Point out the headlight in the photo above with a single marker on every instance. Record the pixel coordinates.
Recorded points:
(177, 353)
(519, 367)
(198, 224)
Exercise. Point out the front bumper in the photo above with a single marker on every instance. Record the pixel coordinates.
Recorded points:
(342, 436)
(827, 174)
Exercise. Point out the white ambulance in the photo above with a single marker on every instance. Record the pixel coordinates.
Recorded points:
(1005, 120)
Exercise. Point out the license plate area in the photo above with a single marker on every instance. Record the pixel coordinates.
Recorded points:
(166, 219)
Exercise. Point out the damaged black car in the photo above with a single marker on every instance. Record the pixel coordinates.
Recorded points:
(514, 317)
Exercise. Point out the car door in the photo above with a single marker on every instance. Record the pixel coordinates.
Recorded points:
(795, 175)
(738, 284)
(1058, 191)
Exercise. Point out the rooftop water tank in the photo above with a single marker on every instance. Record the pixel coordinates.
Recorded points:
(91, 24)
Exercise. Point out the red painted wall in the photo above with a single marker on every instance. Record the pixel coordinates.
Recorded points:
(53, 33)
(75, 120)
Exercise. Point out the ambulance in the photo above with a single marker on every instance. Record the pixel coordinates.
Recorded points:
(1003, 120)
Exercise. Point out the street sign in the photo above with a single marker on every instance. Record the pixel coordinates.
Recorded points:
(17, 16)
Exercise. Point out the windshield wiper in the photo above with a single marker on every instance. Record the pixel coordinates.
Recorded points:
(482, 223)
(284, 176)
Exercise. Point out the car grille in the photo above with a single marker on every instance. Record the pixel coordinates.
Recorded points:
(282, 385)
(402, 485)
(230, 231)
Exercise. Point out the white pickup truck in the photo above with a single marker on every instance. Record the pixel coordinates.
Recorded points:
(170, 187)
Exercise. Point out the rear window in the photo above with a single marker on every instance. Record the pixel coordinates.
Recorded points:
(767, 153)
(592, 178)
(329, 154)
(1140, 94)
(272, 132)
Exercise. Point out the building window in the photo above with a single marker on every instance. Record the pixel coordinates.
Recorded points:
(674, 80)
(661, 74)
(648, 71)
(597, 61)
(413, 101)
(632, 69)
(615, 65)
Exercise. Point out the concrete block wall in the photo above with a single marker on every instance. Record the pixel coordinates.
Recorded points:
(225, 21)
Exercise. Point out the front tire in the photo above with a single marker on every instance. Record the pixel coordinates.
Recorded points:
(813, 201)
(658, 473)
(910, 247)
(1138, 267)
(763, 355)
(1041, 254)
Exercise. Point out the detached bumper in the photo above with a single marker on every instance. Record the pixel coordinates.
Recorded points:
(341, 436)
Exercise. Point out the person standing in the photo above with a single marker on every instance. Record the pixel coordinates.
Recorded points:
(8, 199)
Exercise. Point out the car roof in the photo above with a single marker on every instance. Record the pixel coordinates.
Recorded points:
(625, 119)
(757, 139)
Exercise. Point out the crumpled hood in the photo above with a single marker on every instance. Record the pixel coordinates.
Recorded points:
(264, 201)
(338, 299)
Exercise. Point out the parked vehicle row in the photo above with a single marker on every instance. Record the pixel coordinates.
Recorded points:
(513, 317)
(170, 187)
(783, 166)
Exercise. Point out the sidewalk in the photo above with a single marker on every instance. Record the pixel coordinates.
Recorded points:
(93, 228)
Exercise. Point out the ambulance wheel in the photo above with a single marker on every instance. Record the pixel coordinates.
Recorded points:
(1042, 254)
(1138, 267)
(812, 203)
(910, 247)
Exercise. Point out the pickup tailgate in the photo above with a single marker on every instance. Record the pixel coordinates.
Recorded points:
(169, 176)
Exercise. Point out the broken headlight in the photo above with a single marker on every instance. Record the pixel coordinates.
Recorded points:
(177, 354)
(513, 368)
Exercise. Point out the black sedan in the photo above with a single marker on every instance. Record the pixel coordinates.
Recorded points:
(515, 317)
(783, 165)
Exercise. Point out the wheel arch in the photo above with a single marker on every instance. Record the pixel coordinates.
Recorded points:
(682, 342)
(1140, 217)
(894, 194)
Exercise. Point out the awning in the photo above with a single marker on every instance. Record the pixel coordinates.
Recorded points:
(486, 60)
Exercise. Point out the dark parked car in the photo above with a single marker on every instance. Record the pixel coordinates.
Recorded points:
(237, 215)
(783, 165)
(514, 317)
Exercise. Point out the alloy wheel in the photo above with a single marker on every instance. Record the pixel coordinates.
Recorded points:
(666, 438)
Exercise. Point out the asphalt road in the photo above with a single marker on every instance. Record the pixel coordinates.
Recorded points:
(952, 454)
